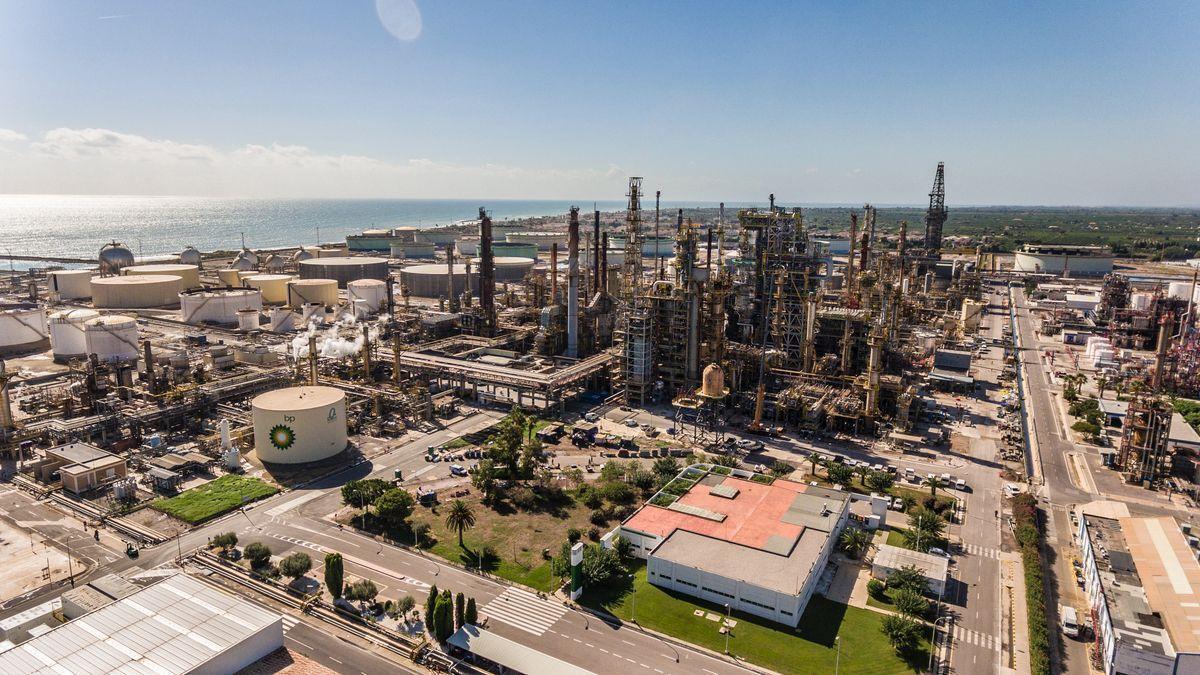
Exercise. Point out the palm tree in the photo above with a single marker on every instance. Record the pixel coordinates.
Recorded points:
(1102, 384)
(854, 541)
(460, 518)
(933, 483)
(813, 460)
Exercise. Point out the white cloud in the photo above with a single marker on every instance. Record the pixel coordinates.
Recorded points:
(99, 161)
(10, 136)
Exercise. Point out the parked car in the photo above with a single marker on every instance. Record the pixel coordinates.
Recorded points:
(939, 552)
(591, 417)
(458, 470)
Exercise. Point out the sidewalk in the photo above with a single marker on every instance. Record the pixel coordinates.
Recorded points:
(1014, 657)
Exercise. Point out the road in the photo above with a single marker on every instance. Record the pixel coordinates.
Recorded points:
(295, 520)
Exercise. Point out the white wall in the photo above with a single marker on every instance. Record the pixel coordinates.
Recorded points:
(250, 649)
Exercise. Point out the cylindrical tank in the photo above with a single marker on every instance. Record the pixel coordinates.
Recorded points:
(190, 274)
(111, 338)
(332, 251)
(136, 291)
(66, 333)
(437, 237)
(361, 308)
(113, 257)
(344, 270)
(304, 291)
(713, 382)
(247, 319)
(219, 305)
(273, 286)
(542, 240)
(70, 284)
(507, 269)
(311, 311)
(1179, 290)
(411, 250)
(429, 281)
(23, 328)
(229, 277)
(299, 424)
(1139, 301)
(373, 291)
(504, 249)
(191, 256)
(470, 246)
(281, 319)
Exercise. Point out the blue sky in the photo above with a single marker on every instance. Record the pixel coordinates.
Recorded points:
(1046, 103)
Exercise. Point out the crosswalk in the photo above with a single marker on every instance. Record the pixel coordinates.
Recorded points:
(298, 542)
(981, 551)
(968, 636)
(289, 622)
(524, 610)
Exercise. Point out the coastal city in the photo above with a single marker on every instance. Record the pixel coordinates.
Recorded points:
(702, 338)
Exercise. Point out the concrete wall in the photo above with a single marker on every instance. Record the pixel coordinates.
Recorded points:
(739, 595)
(252, 648)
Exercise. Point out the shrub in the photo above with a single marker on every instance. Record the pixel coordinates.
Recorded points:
(599, 517)
(295, 565)
(258, 554)
(334, 574)
(523, 498)
(594, 533)
(224, 540)
(617, 493)
(722, 470)
(875, 588)
(574, 535)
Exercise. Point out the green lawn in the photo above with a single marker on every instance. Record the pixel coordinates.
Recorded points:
(886, 603)
(809, 648)
(457, 443)
(895, 537)
(212, 499)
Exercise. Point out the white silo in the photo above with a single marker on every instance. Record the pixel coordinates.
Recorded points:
(70, 284)
(303, 291)
(273, 264)
(219, 305)
(23, 328)
(281, 319)
(66, 333)
(111, 338)
(247, 319)
(299, 424)
(190, 274)
(273, 286)
(372, 291)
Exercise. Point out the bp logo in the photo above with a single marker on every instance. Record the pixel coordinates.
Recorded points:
(282, 436)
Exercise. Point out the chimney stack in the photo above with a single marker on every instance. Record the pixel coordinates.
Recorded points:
(573, 285)
(596, 285)
(451, 297)
(554, 273)
(487, 274)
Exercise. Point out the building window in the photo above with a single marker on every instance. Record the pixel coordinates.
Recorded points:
(784, 611)
(715, 591)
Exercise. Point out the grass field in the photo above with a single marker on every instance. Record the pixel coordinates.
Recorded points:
(212, 499)
(516, 537)
(895, 537)
(809, 648)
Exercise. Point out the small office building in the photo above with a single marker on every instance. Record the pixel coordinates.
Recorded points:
(80, 467)
(935, 568)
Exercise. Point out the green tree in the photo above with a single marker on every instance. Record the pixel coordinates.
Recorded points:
(441, 611)
(875, 588)
(907, 578)
(925, 528)
(879, 481)
(363, 493)
(295, 565)
(902, 632)
(484, 480)
(460, 608)
(623, 547)
(224, 541)
(612, 471)
(362, 591)
(446, 622)
(334, 574)
(460, 518)
(813, 461)
(725, 460)
(531, 453)
(600, 565)
(405, 606)
(854, 541)
(506, 443)
(430, 605)
(394, 507)
(933, 483)
(471, 614)
(839, 474)
(910, 603)
(780, 468)
(258, 554)
(665, 468)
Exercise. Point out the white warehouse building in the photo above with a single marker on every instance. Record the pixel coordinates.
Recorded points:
(743, 540)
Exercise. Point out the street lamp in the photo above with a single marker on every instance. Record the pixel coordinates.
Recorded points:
(837, 662)
(933, 638)
(727, 631)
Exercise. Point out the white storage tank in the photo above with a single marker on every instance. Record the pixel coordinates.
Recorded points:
(136, 291)
(111, 338)
(273, 264)
(273, 286)
(66, 333)
(299, 424)
(229, 277)
(344, 270)
(191, 256)
(304, 291)
(247, 319)
(508, 269)
(281, 319)
(23, 328)
(1139, 301)
(190, 274)
(218, 306)
(70, 284)
(373, 291)
(245, 261)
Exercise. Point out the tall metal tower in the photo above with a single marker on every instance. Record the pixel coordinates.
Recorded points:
(935, 217)
(487, 274)
(632, 276)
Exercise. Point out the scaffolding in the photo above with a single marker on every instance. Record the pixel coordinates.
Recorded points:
(1144, 455)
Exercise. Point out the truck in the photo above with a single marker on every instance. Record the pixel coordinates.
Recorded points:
(1069, 621)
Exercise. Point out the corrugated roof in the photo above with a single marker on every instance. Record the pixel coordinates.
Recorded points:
(511, 654)
(174, 626)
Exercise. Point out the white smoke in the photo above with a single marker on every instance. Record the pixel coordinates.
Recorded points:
(330, 343)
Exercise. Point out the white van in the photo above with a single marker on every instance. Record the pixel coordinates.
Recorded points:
(1070, 622)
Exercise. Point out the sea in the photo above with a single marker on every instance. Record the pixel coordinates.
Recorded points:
(156, 228)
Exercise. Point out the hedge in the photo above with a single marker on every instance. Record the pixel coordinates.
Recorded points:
(1030, 535)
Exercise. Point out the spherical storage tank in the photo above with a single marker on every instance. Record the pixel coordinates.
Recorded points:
(111, 338)
(191, 256)
(136, 291)
(22, 328)
(113, 257)
(218, 306)
(372, 291)
(66, 333)
(508, 269)
(344, 270)
(190, 274)
(70, 284)
(299, 424)
(301, 292)
(273, 286)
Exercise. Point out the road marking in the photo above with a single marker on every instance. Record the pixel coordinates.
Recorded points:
(293, 503)
(524, 610)
(629, 643)
(335, 660)
(308, 647)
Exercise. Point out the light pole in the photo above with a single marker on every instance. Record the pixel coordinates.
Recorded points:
(933, 638)
(727, 628)
(633, 584)
(837, 661)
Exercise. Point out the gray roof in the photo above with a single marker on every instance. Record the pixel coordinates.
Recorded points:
(894, 557)
(511, 655)
(174, 626)
(79, 453)
(783, 570)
